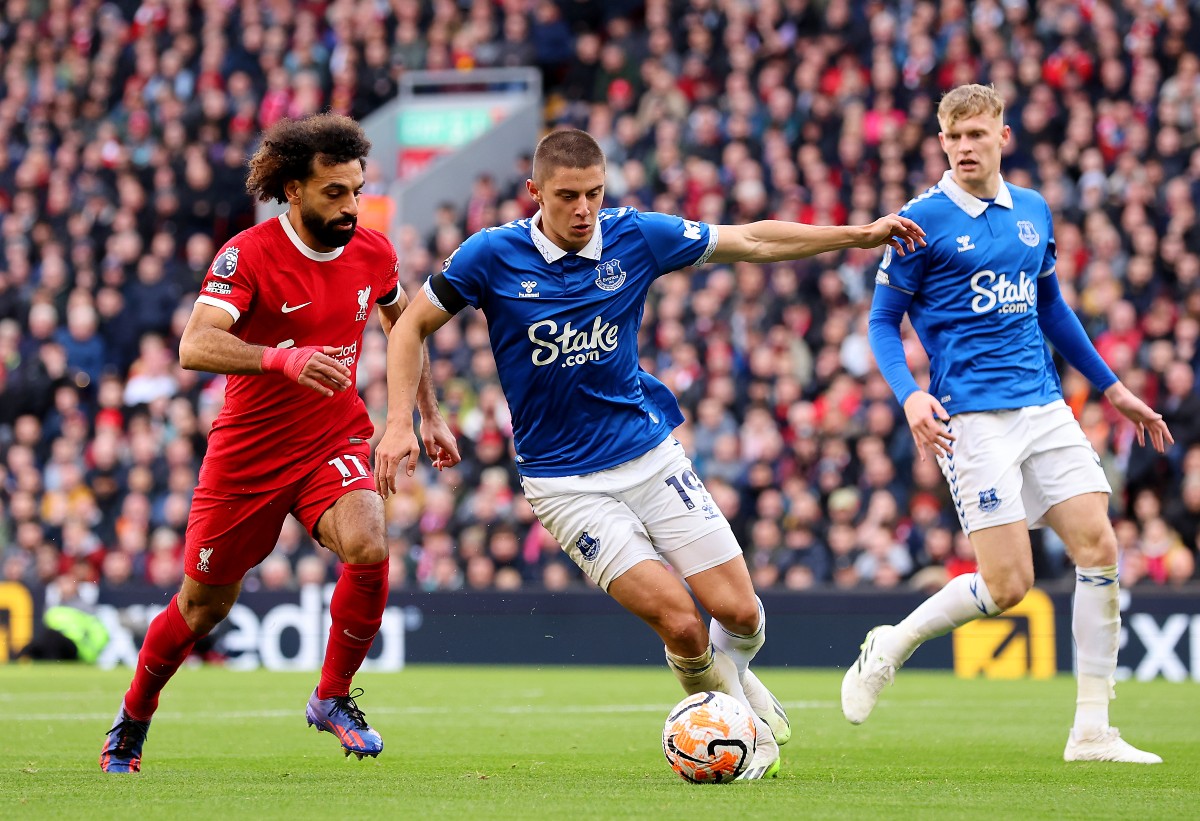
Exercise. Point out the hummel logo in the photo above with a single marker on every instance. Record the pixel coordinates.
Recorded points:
(964, 243)
(353, 479)
(287, 309)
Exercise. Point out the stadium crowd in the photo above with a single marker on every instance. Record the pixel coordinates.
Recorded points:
(124, 131)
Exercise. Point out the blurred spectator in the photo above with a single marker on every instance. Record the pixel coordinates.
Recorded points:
(122, 152)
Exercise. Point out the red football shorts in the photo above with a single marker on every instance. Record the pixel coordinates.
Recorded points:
(229, 533)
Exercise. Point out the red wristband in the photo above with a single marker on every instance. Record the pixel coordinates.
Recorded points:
(287, 361)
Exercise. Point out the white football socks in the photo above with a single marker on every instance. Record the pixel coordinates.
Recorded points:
(963, 599)
(740, 648)
(1096, 626)
(711, 671)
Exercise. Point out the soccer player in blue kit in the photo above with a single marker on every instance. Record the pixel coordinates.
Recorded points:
(563, 294)
(983, 298)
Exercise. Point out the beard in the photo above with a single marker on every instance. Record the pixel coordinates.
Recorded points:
(332, 233)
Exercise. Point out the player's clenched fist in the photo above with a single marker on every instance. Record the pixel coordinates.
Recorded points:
(309, 366)
(399, 446)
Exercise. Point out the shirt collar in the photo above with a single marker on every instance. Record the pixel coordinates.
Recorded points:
(969, 202)
(552, 253)
(316, 256)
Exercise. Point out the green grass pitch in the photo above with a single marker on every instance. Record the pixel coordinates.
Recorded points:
(579, 743)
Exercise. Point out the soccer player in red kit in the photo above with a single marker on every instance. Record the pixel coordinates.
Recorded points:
(282, 312)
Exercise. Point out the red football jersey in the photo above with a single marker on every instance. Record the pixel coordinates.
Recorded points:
(282, 294)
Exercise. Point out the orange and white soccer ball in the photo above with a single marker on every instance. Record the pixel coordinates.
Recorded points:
(709, 738)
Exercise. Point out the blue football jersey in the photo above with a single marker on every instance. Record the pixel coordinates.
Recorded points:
(974, 295)
(564, 333)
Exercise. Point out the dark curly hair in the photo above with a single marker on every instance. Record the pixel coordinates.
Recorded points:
(290, 146)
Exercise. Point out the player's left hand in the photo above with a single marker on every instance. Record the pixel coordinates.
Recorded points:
(1144, 418)
(901, 233)
(439, 441)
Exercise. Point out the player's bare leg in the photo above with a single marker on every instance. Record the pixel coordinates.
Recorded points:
(739, 628)
(656, 595)
(1005, 576)
(190, 615)
(353, 529)
(1082, 523)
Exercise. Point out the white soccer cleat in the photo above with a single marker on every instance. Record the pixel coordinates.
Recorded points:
(765, 763)
(866, 678)
(1106, 746)
(767, 707)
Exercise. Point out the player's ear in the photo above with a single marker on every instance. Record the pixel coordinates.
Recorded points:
(291, 190)
(534, 193)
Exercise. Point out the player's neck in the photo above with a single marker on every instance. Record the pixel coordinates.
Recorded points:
(980, 190)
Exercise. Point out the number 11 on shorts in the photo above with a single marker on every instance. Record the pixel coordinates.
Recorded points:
(339, 463)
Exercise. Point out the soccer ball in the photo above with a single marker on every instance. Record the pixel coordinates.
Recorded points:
(709, 738)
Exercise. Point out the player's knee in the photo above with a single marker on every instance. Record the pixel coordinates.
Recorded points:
(739, 618)
(363, 548)
(684, 632)
(1010, 590)
(1097, 549)
(203, 614)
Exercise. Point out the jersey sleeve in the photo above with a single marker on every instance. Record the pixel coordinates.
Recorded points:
(466, 269)
(907, 272)
(675, 242)
(389, 289)
(230, 283)
(1050, 260)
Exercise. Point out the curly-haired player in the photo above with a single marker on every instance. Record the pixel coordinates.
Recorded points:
(282, 312)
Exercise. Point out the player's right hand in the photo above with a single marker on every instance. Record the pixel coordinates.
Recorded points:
(399, 446)
(927, 419)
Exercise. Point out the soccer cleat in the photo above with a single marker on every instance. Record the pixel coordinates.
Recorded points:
(866, 678)
(1107, 745)
(765, 763)
(767, 707)
(340, 715)
(122, 750)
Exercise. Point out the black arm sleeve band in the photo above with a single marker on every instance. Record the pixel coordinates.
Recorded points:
(449, 297)
(390, 297)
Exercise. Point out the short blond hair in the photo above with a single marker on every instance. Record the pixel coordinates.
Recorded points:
(968, 101)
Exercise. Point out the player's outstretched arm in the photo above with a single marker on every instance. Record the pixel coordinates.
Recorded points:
(405, 362)
(207, 345)
(775, 240)
(1144, 417)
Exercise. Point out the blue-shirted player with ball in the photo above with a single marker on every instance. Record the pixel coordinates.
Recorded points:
(983, 297)
(563, 294)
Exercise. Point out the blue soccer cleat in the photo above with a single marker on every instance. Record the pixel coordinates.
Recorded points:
(340, 715)
(122, 750)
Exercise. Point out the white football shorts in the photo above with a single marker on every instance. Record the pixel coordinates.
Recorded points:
(651, 507)
(1014, 465)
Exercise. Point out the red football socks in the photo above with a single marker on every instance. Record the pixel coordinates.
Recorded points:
(168, 643)
(355, 612)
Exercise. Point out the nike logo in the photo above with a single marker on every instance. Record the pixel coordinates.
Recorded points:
(355, 479)
(356, 638)
(287, 309)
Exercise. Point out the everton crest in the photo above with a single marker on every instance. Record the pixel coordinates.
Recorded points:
(609, 276)
(988, 500)
(1027, 233)
(587, 546)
